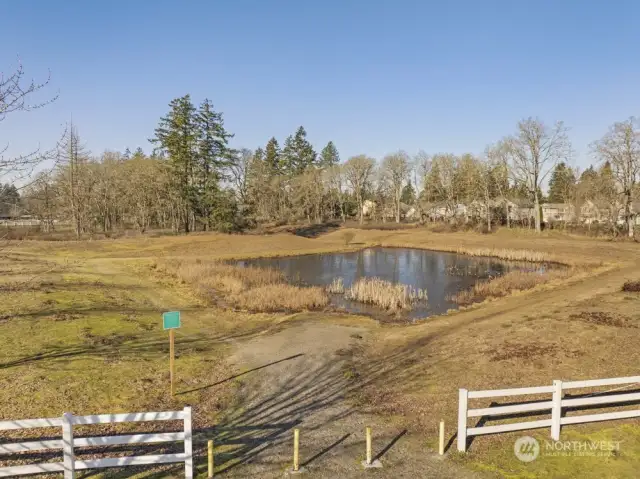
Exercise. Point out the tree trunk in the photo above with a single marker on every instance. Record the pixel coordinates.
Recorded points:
(488, 217)
(361, 212)
(537, 211)
(628, 216)
(506, 209)
(397, 210)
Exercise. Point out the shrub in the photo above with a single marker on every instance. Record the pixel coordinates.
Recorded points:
(389, 296)
(631, 286)
(347, 237)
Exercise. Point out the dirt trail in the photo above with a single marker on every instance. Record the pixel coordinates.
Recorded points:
(301, 379)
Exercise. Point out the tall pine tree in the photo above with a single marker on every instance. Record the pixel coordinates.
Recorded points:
(298, 154)
(213, 157)
(273, 156)
(177, 137)
(329, 156)
(562, 184)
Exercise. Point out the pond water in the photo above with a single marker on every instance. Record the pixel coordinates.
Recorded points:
(441, 274)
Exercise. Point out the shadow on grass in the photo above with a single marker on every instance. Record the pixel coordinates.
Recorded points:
(241, 374)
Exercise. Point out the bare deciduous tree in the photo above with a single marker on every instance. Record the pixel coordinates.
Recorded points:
(358, 171)
(395, 168)
(534, 152)
(15, 92)
(621, 148)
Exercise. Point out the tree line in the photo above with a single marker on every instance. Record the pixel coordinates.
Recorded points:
(192, 179)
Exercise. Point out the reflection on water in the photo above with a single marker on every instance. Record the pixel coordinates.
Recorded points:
(441, 274)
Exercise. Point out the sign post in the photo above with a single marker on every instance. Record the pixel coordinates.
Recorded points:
(171, 321)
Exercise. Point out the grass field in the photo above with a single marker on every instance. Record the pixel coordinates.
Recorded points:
(82, 333)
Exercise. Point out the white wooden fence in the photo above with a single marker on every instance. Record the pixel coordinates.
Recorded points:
(68, 443)
(555, 405)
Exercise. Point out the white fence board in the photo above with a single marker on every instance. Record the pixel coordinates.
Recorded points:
(607, 416)
(517, 426)
(492, 393)
(601, 400)
(131, 439)
(30, 446)
(590, 383)
(516, 408)
(13, 471)
(130, 417)
(30, 423)
(130, 461)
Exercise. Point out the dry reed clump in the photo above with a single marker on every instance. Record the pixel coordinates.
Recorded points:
(336, 286)
(506, 284)
(392, 297)
(508, 254)
(631, 286)
(280, 297)
(251, 288)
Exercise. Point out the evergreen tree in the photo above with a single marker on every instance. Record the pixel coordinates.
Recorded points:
(137, 155)
(127, 154)
(213, 156)
(177, 137)
(562, 184)
(9, 199)
(408, 194)
(329, 156)
(298, 154)
(272, 156)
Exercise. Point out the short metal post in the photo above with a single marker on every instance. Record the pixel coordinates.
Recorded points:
(296, 450)
(69, 461)
(463, 397)
(441, 439)
(368, 434)
(210, 457)
(556, 410)
(188, 444)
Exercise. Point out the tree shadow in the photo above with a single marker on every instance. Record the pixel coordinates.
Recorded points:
(313, 231)
(241, 374)
(389, 446)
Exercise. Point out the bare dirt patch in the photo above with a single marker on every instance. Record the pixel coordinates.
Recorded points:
(604, 318)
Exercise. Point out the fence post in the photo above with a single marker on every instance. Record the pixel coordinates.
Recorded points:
(368, 444)
(188, 444)
(441, 439)
(69, 461)
(296, 450)
(210, 458)
(556, 410)
(463, 396)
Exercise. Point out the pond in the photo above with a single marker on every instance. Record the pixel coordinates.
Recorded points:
(441, 274)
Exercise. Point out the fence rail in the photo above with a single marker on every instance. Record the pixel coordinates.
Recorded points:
(555, 405)
(68, 443)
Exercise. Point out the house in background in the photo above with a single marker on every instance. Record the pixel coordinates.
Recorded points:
(558, 212)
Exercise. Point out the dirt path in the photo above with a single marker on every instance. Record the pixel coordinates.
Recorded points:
(300, 378)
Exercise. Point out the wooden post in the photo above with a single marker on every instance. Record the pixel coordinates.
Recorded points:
(441, 439)
(210, 455)
(296, 449)
(463, 397)
(368, 434)
(172, 361)
(69, 460)
(556, 410)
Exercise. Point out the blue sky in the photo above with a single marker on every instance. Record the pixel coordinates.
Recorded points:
(373, 76)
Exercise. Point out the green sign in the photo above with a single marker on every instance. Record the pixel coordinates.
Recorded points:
(171, 320)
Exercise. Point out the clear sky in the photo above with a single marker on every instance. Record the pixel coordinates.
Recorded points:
(373, 76)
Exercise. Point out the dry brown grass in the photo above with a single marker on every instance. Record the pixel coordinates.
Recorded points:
(280, 297)
(248, 288)
(507, 284)
(221, 276)
(389, 296)
(336, 286)
(508, 254)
